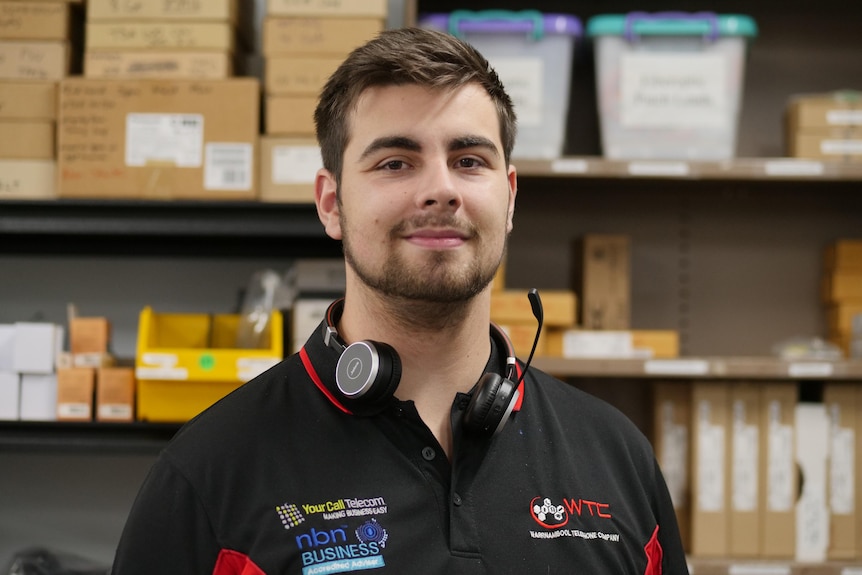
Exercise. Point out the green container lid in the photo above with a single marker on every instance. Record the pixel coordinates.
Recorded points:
(706, 24)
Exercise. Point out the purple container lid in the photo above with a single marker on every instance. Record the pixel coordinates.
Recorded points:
(529, 22)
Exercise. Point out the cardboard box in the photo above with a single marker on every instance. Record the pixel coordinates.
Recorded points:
(317, 36)
(843, 254)
(36, 347)
(522, 337)
(744, 468)
(161, 10)
(10, 395)
(28, 179)
(588, 343)
(290, 115)
(20, 20)
(158, 138)
(858, 458)
(7, 347)
(305, 315)
(75, 388)
(89, 335)
(817, 111)
(38, 397)
(514, 307)
(812, 511)
(710, 519)
(26, 140)
(602, 280)
(842, 286)
(33, 60)
(778, 479)
(671, 439)
(839, 400)
(115, 394)
(841, 316)
(376, 8)
(298, 75)
(28, 100)
(288, 168)
(661, 344)
(168, 35)
(158, 64)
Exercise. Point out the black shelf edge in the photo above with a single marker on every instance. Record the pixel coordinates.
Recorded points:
(88, 437)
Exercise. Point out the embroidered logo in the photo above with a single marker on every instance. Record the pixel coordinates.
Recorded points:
(289, 514)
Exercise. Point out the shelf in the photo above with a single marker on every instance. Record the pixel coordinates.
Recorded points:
(703, 368)
(133, 227)
(746, 169)
(102, 438)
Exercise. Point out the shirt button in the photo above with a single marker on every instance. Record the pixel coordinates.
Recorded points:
(428, 453)
(456, 499)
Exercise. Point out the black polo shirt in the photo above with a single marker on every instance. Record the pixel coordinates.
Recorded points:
(278, 478)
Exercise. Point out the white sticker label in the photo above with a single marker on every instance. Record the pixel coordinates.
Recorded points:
(171, 373)
(674, 460)
(710, 461)
(250, 367)
(844, 117)
(841, 147)
(569, 166)
(160, 359)
(228, 166)
(742, 569)
(523, 78)
(673, 91)
(658, 169)
(779, 462)
(810, 369)
(676, 367)
(115, 411)
(73, 410)
(295, 164)
(793, 168)
(174, 139)
(842, 464)
(744, 461)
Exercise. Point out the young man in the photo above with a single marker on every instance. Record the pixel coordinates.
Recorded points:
(404, 437)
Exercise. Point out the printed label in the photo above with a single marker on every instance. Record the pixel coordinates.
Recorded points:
(174, 139)
(229, 166)
(295, 164)
(523, 78)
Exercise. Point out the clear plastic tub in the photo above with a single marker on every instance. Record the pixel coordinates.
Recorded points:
(669, 84)
(532, 53)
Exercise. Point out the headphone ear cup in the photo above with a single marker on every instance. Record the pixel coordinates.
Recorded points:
(367, 375)
(491, 404)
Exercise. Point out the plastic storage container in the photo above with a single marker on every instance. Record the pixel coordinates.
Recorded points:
(669, 84)
(187, 362)
(532, 53)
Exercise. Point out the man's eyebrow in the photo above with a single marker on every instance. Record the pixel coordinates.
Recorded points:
(467, 142)
(391, 142)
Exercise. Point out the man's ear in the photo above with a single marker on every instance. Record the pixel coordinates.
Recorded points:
(512, 176)
(326, 200)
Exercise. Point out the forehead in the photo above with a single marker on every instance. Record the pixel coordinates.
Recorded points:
(424, 111)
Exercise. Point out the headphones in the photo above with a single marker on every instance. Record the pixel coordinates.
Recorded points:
(368, 373)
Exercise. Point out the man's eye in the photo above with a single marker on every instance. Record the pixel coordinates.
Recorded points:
(393, 165)
(469, 162)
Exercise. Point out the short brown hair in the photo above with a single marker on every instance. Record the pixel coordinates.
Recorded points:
(399, 57)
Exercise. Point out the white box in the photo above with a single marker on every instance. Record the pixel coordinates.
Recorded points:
(10, 395)
(532, 54)
(38, 397)
(669, 84)
(306, 315)
(7, 346)
(36, 347)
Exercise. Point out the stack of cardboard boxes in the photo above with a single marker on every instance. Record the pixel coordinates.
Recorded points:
(37, 49)
(842, 293)
(177, 39)
(302, 44)
(756, 473)
(825, 126)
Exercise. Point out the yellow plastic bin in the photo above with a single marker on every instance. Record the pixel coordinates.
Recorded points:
(187, 362)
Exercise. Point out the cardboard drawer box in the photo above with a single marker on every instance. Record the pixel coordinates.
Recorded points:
(26, 139)
(34, 60)
(20, 20)
(28, 100)
(317, 36)
(288, 167)
(160, 35)
(157, 64)
(378, 8)
(28, 179)
(162, 10)
(159, 139)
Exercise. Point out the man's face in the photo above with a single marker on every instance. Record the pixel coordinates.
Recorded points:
(426, 196)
